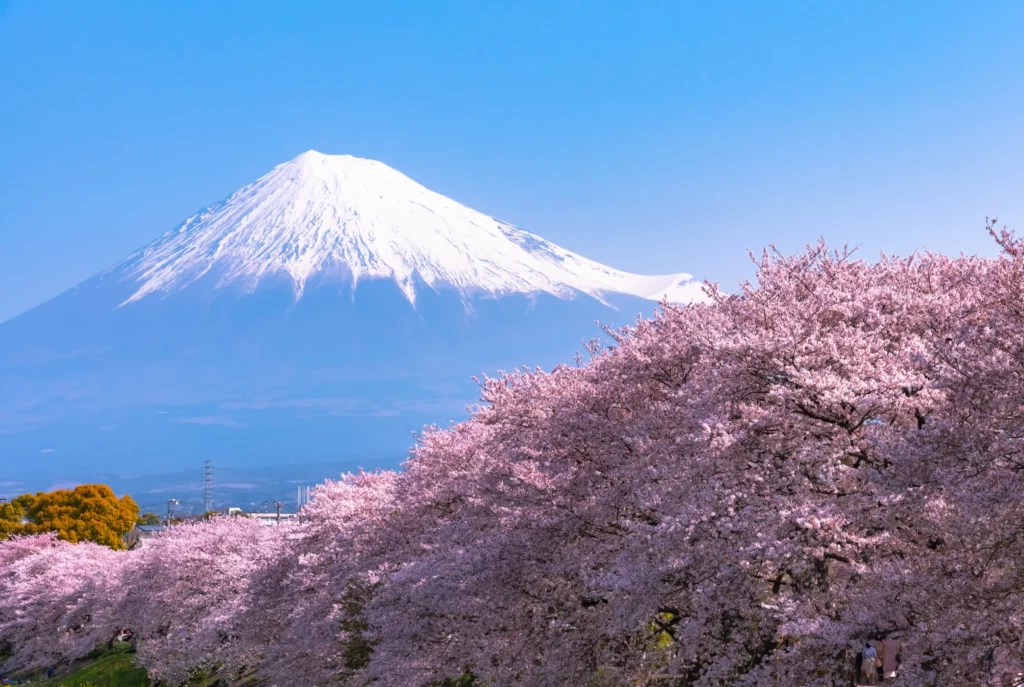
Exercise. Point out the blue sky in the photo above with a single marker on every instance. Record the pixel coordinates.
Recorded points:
(655, 137)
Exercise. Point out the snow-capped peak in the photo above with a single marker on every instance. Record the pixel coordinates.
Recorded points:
(344, 218)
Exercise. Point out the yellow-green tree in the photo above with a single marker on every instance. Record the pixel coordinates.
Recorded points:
(149, 519)
(10, 519)
(90, 512)
(14, 516)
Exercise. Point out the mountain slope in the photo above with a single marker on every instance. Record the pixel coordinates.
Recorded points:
(342, 218)
(324, 312)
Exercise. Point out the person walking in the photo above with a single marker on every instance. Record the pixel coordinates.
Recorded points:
(869, 666)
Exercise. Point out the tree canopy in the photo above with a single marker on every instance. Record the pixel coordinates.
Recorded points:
(89, 512)
(149, 519)
(734, 493)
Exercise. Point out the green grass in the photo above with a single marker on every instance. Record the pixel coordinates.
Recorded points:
(114, 668)
(111, 669)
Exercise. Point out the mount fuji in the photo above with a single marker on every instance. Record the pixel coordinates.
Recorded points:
(326, 311)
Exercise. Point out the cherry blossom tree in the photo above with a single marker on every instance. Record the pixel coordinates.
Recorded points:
(56, 600)
(308, 616)
(741, 492)
(185, 592)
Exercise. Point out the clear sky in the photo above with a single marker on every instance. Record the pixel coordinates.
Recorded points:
(654, 137)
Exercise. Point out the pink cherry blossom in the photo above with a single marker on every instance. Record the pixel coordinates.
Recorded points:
(740, 492)
(56, 599)
(185, 594)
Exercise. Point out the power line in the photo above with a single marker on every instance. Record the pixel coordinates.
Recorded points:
(171, 502)
(147, 506)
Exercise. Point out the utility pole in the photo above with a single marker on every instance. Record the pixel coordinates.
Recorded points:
(208, 488)
(170, 502)
(277, 505)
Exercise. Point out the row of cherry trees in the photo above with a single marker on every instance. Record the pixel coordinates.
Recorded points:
(738, 493)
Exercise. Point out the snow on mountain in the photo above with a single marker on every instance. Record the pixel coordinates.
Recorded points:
(322, 218)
